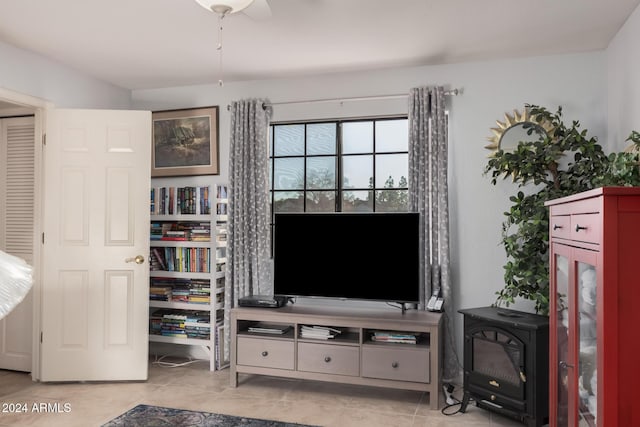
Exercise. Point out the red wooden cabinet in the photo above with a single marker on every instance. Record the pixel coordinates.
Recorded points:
(594, 359)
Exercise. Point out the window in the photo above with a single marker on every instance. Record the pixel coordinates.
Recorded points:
(345, 165)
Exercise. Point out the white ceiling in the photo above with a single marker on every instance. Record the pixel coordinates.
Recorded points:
(140, 44)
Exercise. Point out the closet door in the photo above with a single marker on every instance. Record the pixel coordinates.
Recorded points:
(16, 232)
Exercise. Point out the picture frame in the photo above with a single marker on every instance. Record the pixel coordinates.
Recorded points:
(185, 142)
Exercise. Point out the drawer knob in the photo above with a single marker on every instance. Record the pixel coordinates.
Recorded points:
(327, 359)
(395, 364)
(579, 227)
(556, 226)
(493, 397)
(265, 353)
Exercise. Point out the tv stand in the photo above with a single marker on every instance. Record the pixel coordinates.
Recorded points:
(352, 357)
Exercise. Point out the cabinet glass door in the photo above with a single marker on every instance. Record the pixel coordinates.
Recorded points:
(562, 339)
(587, 346)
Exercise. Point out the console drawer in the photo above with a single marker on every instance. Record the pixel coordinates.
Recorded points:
(393, 363)
(586, 228)
(328, 358)
(561, 226)
(265, 353)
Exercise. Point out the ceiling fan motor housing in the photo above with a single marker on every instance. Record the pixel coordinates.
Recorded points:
(224, 7)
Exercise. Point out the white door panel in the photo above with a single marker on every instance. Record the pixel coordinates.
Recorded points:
(95, 302)
(17, 157)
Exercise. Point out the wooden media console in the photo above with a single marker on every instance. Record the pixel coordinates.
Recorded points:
(373, 347)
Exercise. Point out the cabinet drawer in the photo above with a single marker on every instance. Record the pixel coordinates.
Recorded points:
(265, 353)
(393, 363)
(328, 358)
(585, 228)
(561, 226)
(496, 399)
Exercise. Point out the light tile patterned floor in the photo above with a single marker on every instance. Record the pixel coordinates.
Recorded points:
(195, 387)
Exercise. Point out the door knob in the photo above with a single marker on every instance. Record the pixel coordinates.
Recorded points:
(138, 259)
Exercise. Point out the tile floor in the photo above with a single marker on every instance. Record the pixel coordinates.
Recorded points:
(195, 387)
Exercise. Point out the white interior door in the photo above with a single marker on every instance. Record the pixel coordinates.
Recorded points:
(96, 222)
(17, 159)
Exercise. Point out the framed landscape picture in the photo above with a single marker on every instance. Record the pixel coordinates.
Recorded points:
(185, 142)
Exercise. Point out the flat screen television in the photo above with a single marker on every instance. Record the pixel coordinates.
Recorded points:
(361, 256)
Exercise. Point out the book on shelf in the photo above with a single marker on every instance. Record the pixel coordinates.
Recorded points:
(267, 328)
(157, 260)
(319, 332)
(394, 337)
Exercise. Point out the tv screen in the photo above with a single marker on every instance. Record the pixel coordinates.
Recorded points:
(364, 256)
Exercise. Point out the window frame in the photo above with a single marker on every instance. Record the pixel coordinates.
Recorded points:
(339, 156)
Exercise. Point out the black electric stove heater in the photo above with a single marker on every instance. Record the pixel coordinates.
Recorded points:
(506, 363)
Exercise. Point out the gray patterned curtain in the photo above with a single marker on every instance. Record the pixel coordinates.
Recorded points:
(428, 195)
(247, 269)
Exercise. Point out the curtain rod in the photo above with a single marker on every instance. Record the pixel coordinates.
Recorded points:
(452, 92)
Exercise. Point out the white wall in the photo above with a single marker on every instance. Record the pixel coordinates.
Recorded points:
(31, 74)
(623, 66)
(577, 82)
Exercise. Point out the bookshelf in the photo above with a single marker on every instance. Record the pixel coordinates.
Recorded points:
(187, 267)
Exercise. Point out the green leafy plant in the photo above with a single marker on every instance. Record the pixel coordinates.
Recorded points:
(564, 161)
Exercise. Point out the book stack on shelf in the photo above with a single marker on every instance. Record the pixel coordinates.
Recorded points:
(180, 324)
(193, 231)
(180, 293)
(160, 292)
(199, 294)
(221, 235)
(200, 232)
(195, 291)
(394, 337)
(319, 332)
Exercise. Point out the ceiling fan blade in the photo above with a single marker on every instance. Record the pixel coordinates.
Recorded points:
(258, 10)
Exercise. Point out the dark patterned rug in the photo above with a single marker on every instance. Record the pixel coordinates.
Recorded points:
(156, 416)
